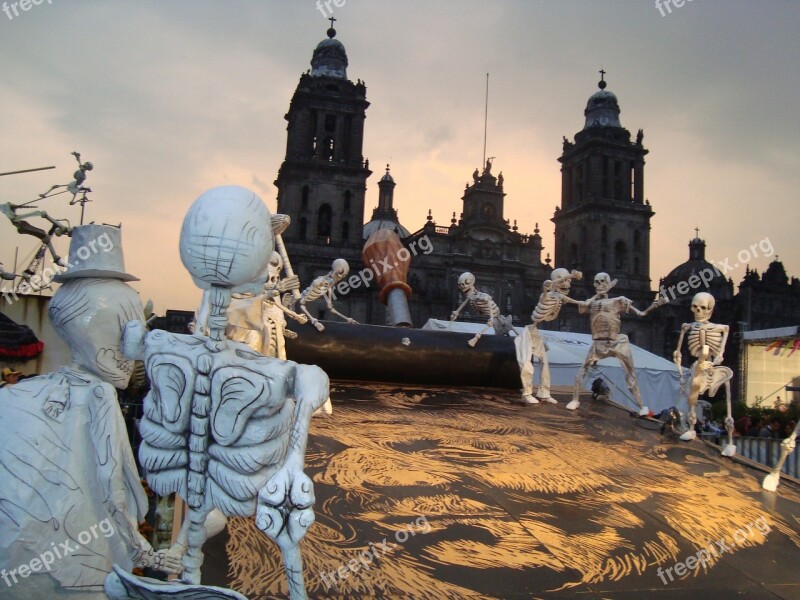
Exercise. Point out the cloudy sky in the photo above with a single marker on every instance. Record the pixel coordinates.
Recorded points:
(168, 99)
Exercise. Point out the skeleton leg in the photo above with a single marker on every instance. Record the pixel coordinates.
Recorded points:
(772, 480)
(730, 449)
(622, 351)
(695, 389)
(523, 345)
(591, 359)
(543, 393)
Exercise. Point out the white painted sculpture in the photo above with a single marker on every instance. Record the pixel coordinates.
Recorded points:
(322, 287)
(529, 344)
(788, 445)
(481, 304)
(223, 426)
(70, 494)
(259, 320)
(706, 343)
(605, 318)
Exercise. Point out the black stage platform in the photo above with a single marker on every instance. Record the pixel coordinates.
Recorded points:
(427, 492)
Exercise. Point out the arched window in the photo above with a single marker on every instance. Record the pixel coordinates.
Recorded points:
(324, 219)
(301, 230)
(636, 265)
(345, 231)
(620, 255)
(347, 196)
(304, 199)
(604, 234)
(573, 255)
(636, 239)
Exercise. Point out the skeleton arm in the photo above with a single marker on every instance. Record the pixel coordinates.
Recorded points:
(329, 300)
(676, 355)
(719, 357)
(456, 312)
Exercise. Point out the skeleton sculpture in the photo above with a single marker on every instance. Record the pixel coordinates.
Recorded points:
(529, 344)
(706, 342)
(322, 287)
(788, 445)
(70, 482)
(482, 304)
(224, 427)
(260, 320)
(607, 342)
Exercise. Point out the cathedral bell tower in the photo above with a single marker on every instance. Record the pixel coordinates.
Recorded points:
(322, 181)
(603, 223)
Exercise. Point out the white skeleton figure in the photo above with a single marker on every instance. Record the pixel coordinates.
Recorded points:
(322, 287)
(260, 320)
(482, 304)
(223, 426)
(530, 345)
(607, 342)
(706, 342)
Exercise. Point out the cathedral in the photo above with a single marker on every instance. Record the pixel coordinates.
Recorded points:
(601, 224)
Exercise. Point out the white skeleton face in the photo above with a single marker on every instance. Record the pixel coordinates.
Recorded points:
(466, 282)
(565, 283)
(339, 269)
(602, 283)
(702, 306)
(275, 266)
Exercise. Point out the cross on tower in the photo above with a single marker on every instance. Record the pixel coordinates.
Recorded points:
(602, 75)
(332, 19)
(697, 232)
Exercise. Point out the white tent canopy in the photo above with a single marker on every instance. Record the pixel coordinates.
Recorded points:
(659, 382)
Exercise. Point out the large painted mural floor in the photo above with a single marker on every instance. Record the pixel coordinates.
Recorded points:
(440, 493)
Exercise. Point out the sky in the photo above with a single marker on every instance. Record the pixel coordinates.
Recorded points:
(169, 99)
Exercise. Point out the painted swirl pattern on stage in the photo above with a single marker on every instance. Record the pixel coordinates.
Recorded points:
(436, 493)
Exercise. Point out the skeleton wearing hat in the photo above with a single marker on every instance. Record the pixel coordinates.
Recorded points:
(65, 442)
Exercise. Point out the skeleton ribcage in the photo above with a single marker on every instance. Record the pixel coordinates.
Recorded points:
(714, 336)
(548, 307)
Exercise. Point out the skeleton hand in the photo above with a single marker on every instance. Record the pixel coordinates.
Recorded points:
(789, 444)
(717, 360)
(676, 356)
(289, 283)
(351, 321)
(454, 315)
(167, 561)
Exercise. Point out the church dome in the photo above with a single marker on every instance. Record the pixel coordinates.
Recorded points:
(602, 109)
(693, 275)
(330, 58)
(376, 224)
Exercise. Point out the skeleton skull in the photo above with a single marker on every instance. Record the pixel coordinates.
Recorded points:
(339, 269)
(275, 266)
(702, 306)
(564, 284)
(602, 283)
(466, 282)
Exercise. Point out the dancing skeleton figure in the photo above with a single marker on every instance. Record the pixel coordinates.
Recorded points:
(482, 304)
(322, 287)
(607, 342)
(706, 342)
(529, 344)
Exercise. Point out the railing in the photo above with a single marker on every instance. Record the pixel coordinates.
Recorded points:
(766, 451)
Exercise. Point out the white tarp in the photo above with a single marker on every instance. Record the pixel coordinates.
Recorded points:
(659, 382)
